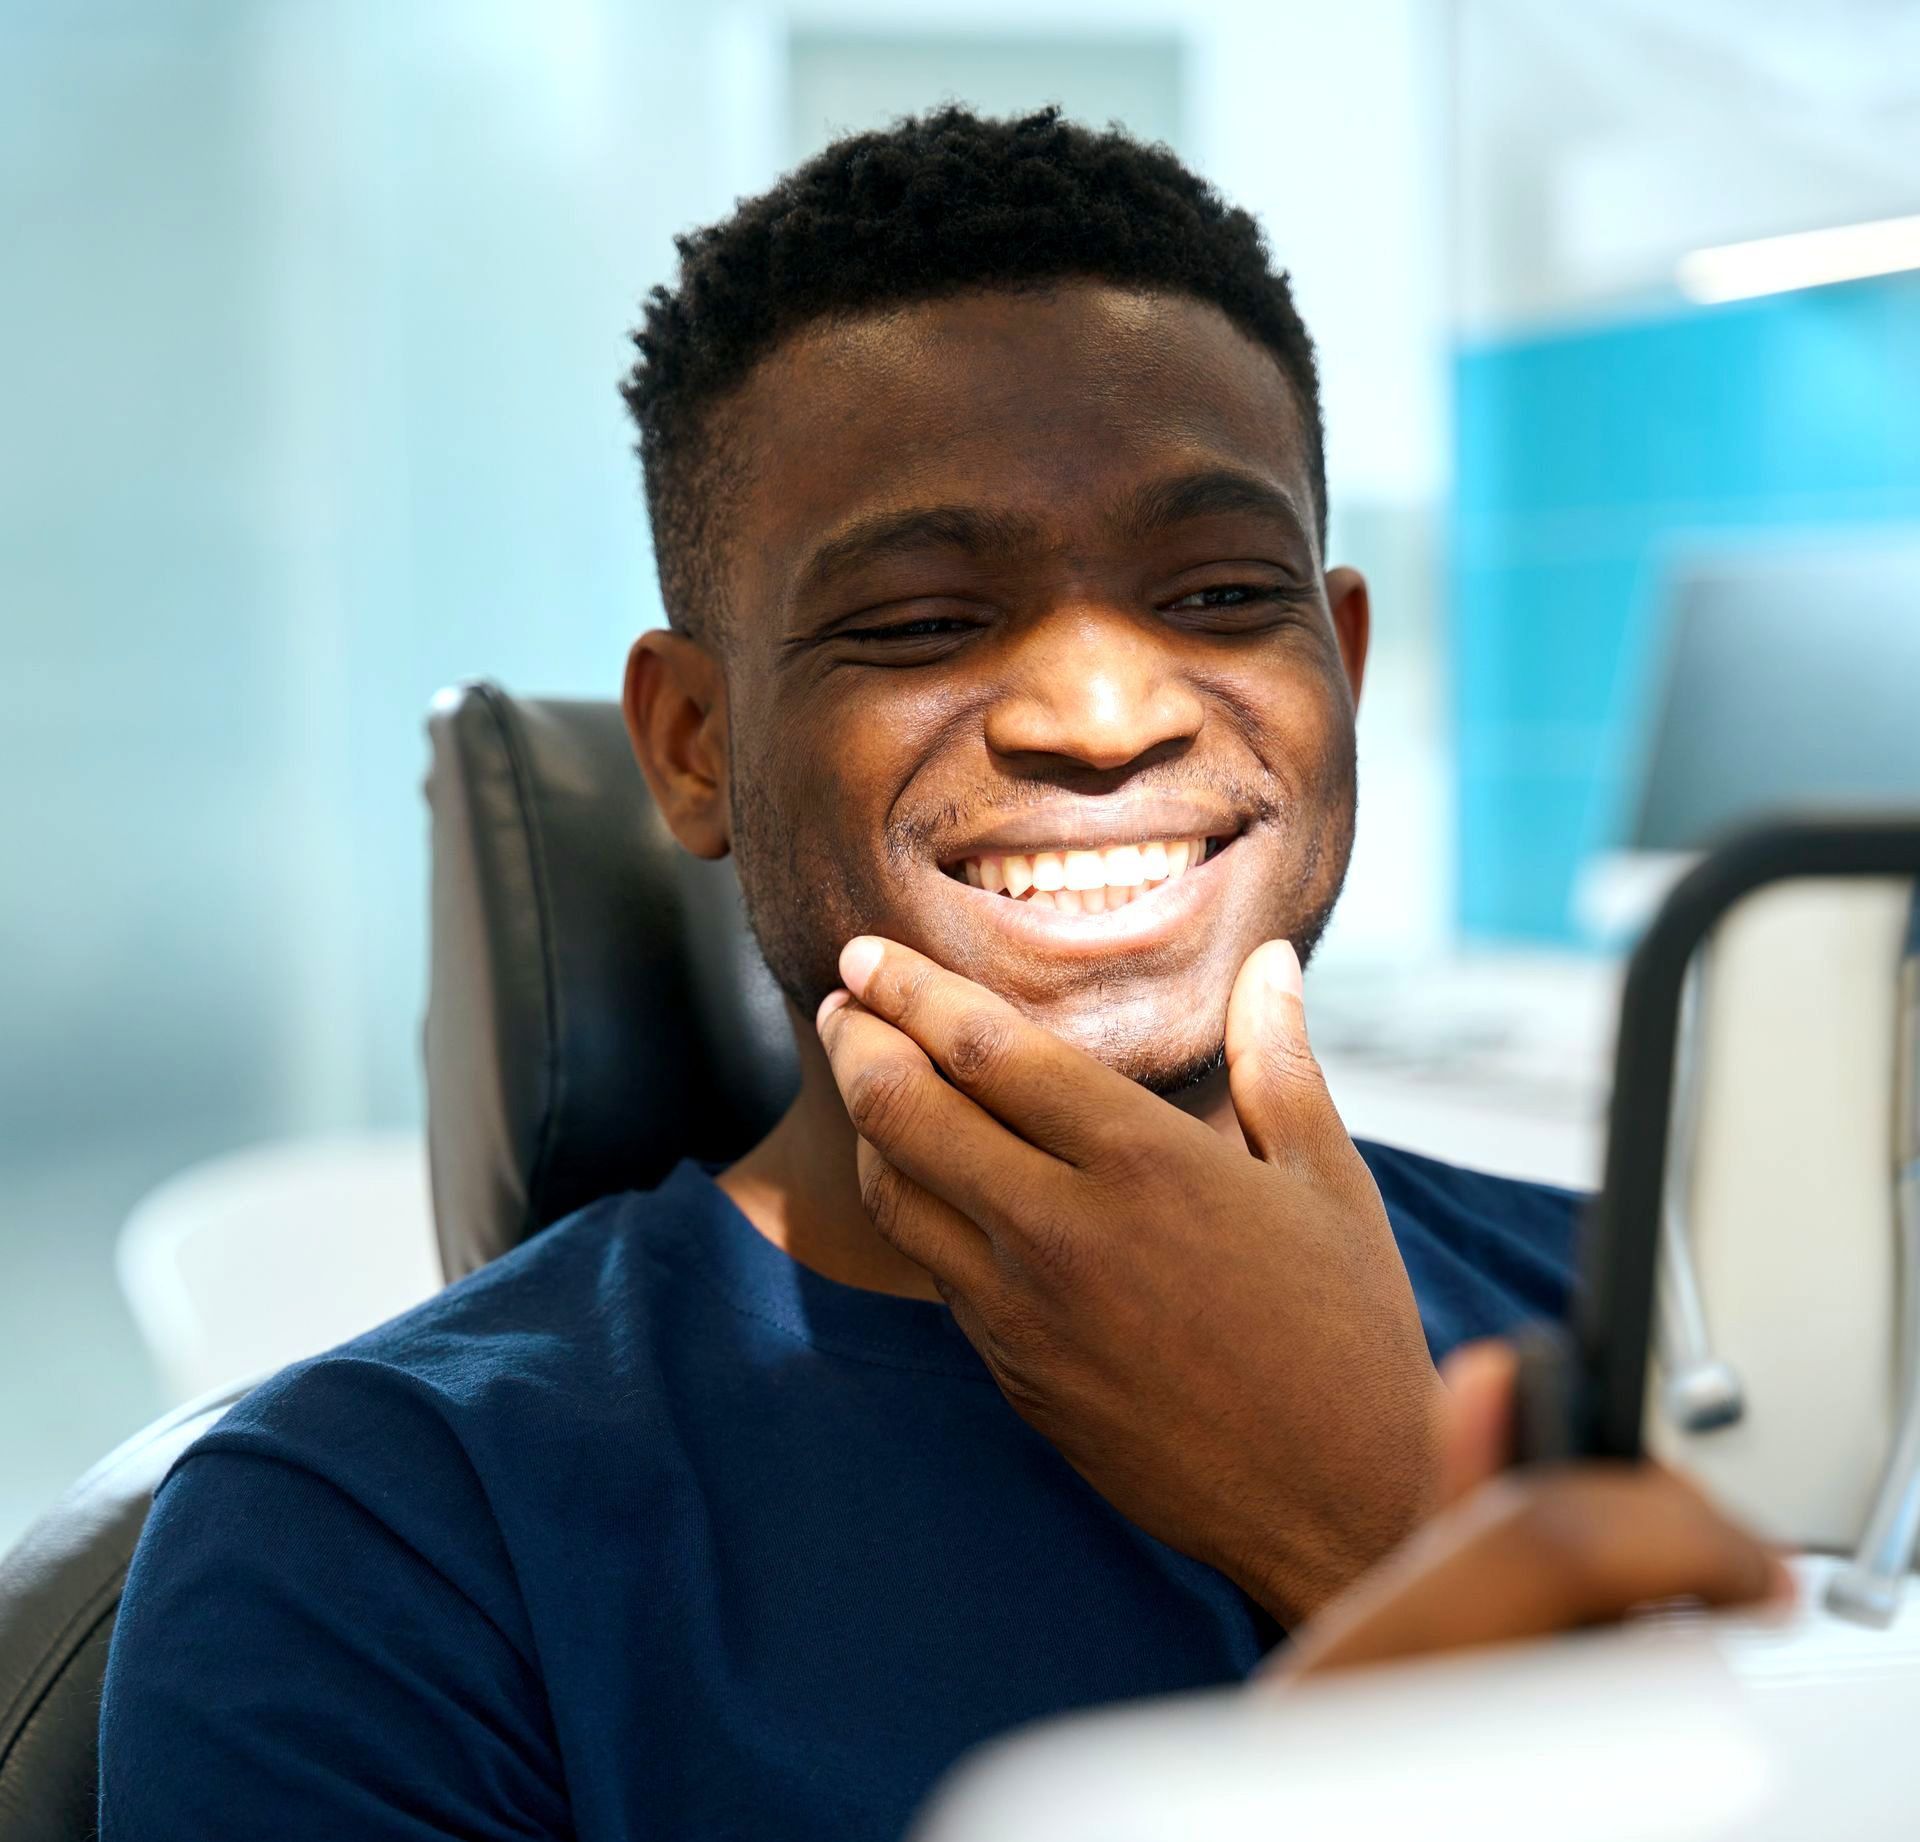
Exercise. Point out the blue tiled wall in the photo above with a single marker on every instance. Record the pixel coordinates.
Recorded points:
(1584, 459)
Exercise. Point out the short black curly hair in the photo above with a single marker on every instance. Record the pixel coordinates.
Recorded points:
(936, 205)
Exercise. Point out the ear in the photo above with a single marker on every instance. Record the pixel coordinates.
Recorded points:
(1352, 622)
(675, 704)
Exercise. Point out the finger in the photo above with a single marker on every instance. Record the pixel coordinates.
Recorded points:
(1278, 1092)
(1479, 1434)
(1053, 1095)
(931, 1233)
(1518, 1560)
(924, 1127)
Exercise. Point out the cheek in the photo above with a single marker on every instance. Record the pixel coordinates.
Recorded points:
(853, 763)
(1300, 724)
(807, 828)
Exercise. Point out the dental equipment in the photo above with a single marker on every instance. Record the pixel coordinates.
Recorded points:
(1700, 1392)
(1868, 1589)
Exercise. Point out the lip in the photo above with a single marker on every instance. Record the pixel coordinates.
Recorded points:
(1144, 922)
(1095, 825)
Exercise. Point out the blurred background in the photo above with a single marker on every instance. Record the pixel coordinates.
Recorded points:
(313, 315)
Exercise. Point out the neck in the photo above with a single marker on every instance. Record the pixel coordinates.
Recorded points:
(800, 1186)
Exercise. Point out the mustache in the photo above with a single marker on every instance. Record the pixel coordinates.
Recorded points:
(912, 836)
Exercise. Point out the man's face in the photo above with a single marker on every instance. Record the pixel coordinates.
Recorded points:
(1016, 578)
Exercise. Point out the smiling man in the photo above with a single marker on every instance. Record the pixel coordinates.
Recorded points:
(1059, 1345)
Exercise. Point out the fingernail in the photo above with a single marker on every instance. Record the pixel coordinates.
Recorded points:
(857, 960)
(1282, 968)
(828, 1005)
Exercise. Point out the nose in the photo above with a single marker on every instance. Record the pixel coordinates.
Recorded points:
(1093, 688)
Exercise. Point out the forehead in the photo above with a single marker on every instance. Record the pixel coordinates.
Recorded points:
(1049, 406)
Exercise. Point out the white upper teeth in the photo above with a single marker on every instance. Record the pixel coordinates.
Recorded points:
(1125, 868)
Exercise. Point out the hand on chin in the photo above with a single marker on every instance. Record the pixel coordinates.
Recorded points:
(1225, 1345)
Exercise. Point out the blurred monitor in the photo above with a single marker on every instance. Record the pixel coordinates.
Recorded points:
(1788, 678)
(1789, 681)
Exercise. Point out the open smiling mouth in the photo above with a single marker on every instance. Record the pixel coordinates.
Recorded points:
(1088, 882)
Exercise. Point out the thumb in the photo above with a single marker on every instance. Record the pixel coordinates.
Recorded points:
(1270, 1065)
(1478, 1442)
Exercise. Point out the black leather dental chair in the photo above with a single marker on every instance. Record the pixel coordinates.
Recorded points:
(598, 1011)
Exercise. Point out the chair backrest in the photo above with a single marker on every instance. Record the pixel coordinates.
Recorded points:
(59, 1592)
(598, 1007)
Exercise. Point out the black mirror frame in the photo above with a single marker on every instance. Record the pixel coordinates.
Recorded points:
(1612, 1326)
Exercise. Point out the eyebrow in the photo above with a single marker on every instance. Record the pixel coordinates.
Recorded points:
(965, 529)
(970, 531)
(1211, 493)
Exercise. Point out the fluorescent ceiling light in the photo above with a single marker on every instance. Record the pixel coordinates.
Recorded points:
(1807, 259)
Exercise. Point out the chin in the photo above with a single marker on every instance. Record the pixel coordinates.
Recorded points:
(1176, 1083)
(1169, 1050)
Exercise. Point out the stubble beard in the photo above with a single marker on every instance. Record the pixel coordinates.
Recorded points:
(774, 870)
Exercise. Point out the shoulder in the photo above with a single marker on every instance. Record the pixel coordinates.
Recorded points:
(1450, 1195)
(483, 1379)
(434, 1438)
(523, 1314)
(353, 1542)
(1485, 1253)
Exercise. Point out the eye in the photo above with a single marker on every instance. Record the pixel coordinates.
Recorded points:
(1227, 595)
(932, 627)
(928, 640)
(1236, 606)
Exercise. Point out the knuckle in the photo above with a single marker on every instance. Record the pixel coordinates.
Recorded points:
(1129, 1165)
(1024, 1395)
(912, 986)
(882, 1100)
(883, 1193)
(1286, 1090)
(1010, 1335)
(1290, 1065)
(980, 1047)
(1271, 1085)
(1054, 1250)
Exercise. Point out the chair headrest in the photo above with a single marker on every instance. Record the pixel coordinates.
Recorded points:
(598, 1009)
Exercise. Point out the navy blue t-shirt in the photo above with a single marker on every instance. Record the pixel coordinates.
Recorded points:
(647, 1531)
